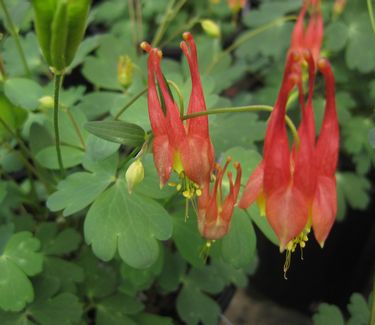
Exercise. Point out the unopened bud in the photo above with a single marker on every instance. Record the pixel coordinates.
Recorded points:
(210, 28)
(125, 69)
(134, 175)
(236, 5)
(339, 7)
(46, 102)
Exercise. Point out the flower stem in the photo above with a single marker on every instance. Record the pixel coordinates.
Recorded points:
(170, 13)
(371, 14)
(247, 36)
(58, 82)
(180, 97)
(16, 37)
(131, 102)
(251, 108)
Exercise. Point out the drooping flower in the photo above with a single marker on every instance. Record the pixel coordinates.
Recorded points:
(184, 148)
(324, 205)
(290, 186)
(214, 213)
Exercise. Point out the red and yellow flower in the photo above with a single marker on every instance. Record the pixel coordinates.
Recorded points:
(295, 187)
(184, 148)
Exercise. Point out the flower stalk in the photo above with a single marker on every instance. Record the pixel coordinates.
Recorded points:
(57, 81)
(251, 108)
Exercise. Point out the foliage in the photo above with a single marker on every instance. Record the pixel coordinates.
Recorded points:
(81, 243)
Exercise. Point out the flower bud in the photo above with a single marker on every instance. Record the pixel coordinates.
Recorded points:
(125, 68)
(210, 28)
(134, 175)
(339, 7)
(46, 102)
(60, 26)
(236, 5)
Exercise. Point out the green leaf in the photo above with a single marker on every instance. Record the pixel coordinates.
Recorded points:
(6, 231)
(328, 314)
(98, 103)
(206, 278)
(336, 36)
(359, 310)
(11, 57)
(128, 223)
(39, 138)
(172, 272)
(67, 273)
(114, 310)
(117, 131)
(11, 115)
(53, 243)
(3, 190)
(47, 157)
(150, 186)
(63, 309)
(360, 32)
(356, 189)
(194, 306)
(15, 288)
(269, 11)
(100, 278)
(80, 189)
(21, 249)
(187, 238)
(238, 247)
(19, 260)
(136, 280)
(241, 129)
(230, 274)
(87, 45)
(70, 119)
(23, 93)
(99, 149)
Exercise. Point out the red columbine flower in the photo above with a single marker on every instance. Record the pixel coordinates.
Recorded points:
(214, 214)
(296, 189)
(324, 205)
(197, 152)
(187, 149)
(276, 183)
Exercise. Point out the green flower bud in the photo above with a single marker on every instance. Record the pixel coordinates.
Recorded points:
(60, 26)
(210, 28)
(46, 102)
(125, 68)
(134, 175)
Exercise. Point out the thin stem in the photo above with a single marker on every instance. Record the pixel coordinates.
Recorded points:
(76, 128)
(251, 108)
(247, 36)
(169, 15)
(180, 97)
(371, 14)
(15, 35)
(58, 82)
(189, 25)
(134, 99)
